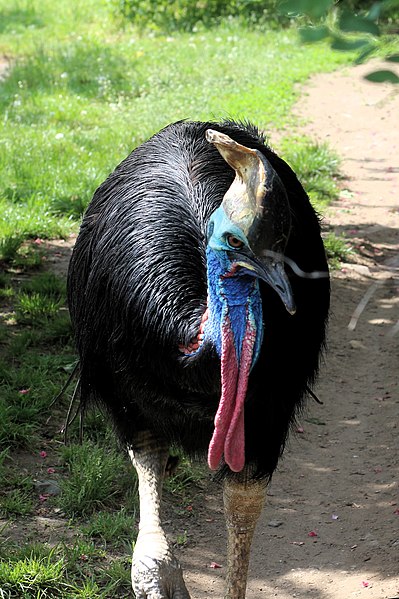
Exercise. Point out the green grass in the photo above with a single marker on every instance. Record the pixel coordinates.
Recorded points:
(113, 528)
(318, 168)
(97, 478)
(38, 571)
(79, 98)
(337, 248)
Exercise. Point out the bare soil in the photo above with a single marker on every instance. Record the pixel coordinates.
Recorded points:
(330, 528)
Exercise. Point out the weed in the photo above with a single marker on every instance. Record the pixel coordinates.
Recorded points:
(188, 473)
(6, 293)
(45, 283)
(316, 166)
(337, 249)
(40, 298)
(117, 578)
(16, 503)
(181, 539)
(97, 478)
(16, 428)
(114, 528)
(3, 456)
(35, 576)
(9, 247)
(34, 307)
(5, 280)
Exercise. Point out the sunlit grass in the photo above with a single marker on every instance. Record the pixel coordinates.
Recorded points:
(68, 572)
(80, 98)
(317, 167)
(338, 249)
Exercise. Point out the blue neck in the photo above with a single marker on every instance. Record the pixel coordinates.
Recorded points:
(236, 296)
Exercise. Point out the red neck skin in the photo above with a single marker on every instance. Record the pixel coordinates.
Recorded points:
(229, 435)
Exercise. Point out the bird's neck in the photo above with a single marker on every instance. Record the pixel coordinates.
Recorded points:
(234, 297)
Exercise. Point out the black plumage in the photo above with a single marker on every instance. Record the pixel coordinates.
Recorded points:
(137, 290)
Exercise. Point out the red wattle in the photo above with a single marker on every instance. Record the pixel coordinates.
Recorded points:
(234, 447)
(224, 414)
(229, 436)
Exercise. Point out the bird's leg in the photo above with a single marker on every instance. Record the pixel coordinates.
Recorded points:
(243, 502)
(156, 574)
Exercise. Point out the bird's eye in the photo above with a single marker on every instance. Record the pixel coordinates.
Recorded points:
(234, 242)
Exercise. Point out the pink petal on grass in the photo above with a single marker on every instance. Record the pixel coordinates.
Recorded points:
(312, 533)
(50, 470)
(24, 391)
(215, 565)
(43, 454)
(44, 497)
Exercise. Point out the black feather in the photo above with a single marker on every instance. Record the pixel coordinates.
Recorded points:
(137, 289)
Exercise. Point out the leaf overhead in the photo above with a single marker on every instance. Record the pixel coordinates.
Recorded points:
(383, 76)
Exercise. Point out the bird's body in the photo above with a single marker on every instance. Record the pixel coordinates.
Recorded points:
(147, 293)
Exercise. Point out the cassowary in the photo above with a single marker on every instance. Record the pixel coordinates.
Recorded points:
(199, 293)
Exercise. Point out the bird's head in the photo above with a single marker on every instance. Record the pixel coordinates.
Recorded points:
(247, 236)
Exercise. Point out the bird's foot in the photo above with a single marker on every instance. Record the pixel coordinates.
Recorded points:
(156, 573)
(153, 579)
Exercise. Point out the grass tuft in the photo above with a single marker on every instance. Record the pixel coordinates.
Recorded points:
(16, 503)
(9, 247)
(34, 307)
(97, 479)
(114, 528)
(316, 166)
(337, 249)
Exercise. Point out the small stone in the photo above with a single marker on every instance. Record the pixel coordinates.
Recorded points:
(50, 487)
(275, 523)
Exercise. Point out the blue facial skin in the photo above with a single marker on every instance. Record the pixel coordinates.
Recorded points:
(236, 296)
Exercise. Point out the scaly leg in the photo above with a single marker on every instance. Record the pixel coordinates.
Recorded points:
(156, 574)
(243, 502)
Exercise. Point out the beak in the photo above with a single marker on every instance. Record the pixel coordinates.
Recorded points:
(270, 270)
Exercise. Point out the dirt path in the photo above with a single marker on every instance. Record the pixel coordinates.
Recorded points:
(339, 478)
